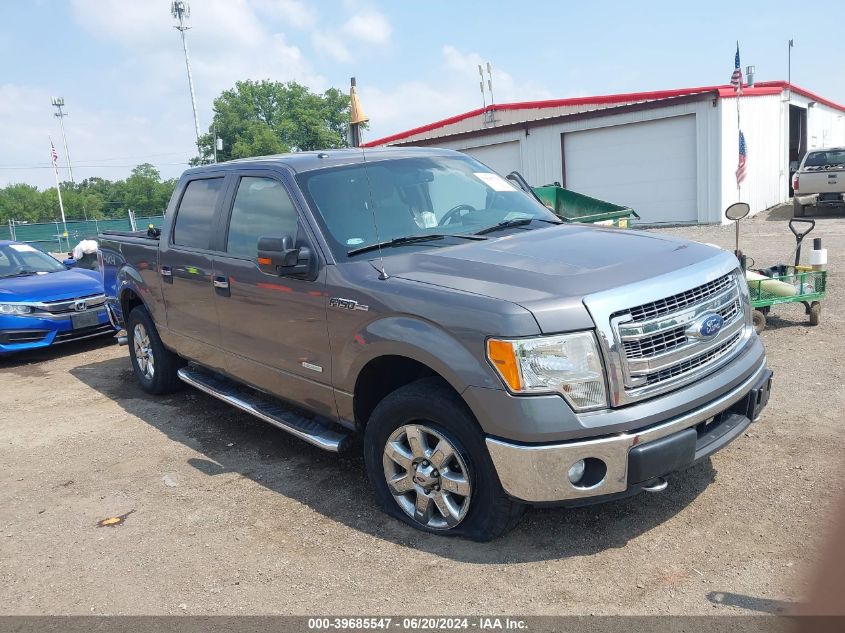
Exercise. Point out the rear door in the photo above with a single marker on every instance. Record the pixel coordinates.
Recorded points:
(273, 328)
(186, 263)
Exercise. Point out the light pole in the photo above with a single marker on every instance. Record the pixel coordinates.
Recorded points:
(181, 11)
(59, 103)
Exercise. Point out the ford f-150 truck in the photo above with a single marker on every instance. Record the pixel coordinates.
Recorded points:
(489, 355)
(820, 180)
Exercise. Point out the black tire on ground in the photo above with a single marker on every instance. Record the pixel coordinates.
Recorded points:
(759, 320)
(432, 403)
(165, 363)
(798, 210)
(815, 313)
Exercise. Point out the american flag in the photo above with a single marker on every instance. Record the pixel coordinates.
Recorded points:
(743, 156)
(736, 78)
(54, 154)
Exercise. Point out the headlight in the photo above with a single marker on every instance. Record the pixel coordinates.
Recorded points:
(14, 308)
(568, 364)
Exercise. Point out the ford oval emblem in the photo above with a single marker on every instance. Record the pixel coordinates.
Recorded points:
(710, 325)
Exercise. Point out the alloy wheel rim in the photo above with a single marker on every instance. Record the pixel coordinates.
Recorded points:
(427, 476)
(143, 352)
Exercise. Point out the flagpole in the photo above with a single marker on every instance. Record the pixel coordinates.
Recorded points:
(59, 191)
(738, 126)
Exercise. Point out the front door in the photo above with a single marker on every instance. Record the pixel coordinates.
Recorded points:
(272, 328)
(185, 265)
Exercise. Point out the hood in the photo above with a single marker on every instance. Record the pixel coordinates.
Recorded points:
(549, 271)
(65, 284)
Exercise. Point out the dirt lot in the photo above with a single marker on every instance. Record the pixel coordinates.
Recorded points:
(224, 514)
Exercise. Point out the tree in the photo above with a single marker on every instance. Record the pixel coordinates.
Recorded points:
(22, 202)
(257, 118)
(95, 198)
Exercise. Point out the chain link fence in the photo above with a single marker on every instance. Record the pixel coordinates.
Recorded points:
(51, 236)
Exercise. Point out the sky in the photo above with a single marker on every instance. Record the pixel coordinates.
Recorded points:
(120, 67)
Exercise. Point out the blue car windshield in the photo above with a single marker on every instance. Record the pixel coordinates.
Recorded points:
(19, 260)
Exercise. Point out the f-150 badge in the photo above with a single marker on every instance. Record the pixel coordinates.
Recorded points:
(346, 304)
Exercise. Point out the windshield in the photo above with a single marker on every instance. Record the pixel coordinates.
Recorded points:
(833, 158)
(17, 260)
(361, 205)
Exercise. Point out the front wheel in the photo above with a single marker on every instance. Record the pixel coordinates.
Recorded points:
(429, 466)
(155, 366)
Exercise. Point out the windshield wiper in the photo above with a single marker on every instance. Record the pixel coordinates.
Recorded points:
(410, 239)
(21, 273)
(506, 224)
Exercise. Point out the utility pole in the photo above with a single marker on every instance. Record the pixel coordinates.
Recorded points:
(181, 11)
(58, 103)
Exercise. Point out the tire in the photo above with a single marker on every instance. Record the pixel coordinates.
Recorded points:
(155, 366)
(759, 320)
(430, 409)
(798, 209)
(815, 313)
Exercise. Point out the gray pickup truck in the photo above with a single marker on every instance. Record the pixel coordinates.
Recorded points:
(489, 355)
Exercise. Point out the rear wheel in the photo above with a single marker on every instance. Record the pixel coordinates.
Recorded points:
(798, 209)
(429, 466)
(155, 366)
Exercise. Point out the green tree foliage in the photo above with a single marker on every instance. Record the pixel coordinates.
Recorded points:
(95, 198)
(256, 118)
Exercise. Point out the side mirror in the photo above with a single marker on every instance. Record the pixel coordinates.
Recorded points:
(279, 256)
(69, 263)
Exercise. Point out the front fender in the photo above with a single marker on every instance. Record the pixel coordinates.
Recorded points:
(419, 340)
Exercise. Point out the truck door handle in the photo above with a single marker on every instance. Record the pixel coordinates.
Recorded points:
(166, 271)
(221, 282)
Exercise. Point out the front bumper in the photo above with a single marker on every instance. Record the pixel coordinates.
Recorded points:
(539, 473)
(23, 333)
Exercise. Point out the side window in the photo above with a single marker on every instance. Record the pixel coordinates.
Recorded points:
(195, 216)
(262, 208)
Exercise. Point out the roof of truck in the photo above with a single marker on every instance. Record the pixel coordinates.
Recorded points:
(308, 161)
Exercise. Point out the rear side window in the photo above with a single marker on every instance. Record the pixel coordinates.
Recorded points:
(262, 209)
(195, 216)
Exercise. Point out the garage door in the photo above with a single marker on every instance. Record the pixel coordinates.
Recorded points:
(647, 166)
(501, 157)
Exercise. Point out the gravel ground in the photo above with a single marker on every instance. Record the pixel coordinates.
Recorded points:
(226, 515)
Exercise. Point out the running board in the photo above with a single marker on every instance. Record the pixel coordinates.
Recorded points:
(311, 429)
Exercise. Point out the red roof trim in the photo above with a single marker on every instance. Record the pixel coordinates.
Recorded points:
(761, 88)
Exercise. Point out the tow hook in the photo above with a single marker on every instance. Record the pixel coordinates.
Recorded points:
(658, 484)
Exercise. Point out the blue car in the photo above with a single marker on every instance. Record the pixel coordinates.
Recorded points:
(43, 302)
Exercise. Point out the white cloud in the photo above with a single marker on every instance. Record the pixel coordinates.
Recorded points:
(148, 116)
(293, 12)
(368, 26)
(331, 45)
(416, 103)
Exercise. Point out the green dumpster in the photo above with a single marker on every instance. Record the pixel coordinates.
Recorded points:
(576, 207)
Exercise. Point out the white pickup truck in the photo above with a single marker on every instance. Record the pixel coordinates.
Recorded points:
(820, 180)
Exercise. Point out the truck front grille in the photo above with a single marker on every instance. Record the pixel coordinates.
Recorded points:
(692, 363)
(660, 343)
(681, 300)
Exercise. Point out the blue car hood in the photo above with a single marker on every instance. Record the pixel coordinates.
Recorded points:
(65, 284)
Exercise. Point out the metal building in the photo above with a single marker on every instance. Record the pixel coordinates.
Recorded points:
(671, 154)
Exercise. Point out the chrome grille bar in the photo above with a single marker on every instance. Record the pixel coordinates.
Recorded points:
(681, 300)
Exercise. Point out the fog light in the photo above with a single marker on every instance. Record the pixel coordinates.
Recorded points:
(576, 471)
